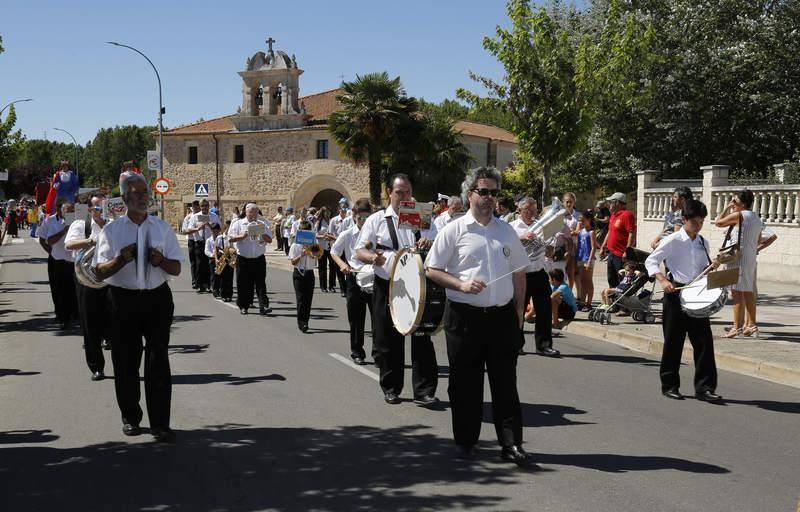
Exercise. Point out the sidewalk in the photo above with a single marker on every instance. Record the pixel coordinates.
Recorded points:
(774, 356)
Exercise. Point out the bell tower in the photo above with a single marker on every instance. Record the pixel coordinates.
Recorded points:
(270, 92)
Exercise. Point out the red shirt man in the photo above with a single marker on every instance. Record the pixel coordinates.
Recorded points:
(621, 235)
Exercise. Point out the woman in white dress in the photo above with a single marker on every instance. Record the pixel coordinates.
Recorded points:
(738, 214)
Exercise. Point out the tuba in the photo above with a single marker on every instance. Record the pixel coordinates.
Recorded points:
(84, 271)
(535, 246)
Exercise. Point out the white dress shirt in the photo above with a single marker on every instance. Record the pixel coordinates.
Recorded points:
(336, 224)
(210, 246)
(52, 225)
(345, 246)
(537, 262)
(248, 248)
(138, 274)
(286, 226)
(468, 250)
(375, 230)
(306, 262)
(442, 220)
(685, 258)
(186, 224)
(205, 233)
(323, 228)
(77, 232)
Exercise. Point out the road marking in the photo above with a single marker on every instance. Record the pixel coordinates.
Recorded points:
(17, 240)
(354, 366)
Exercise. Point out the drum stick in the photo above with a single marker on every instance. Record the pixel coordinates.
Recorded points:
(508, 274)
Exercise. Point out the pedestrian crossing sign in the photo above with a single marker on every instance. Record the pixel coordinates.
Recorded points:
(201, 189)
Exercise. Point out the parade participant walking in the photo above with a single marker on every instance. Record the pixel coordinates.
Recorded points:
(338, 225)
(136, 255)
(327, 281)
(60, 271)
(251, 264)
(685, 254)
(537, 284)
(381, 233)
(286, 229)
(211, 253)
(93, 309)
(673, 220)
(11, 221)
(343, 254)
(225, 279)
(474, 257)
(200, 231)
(621, 235)
(277, 220)
(455, 209)
(187, 229)
(302, 278)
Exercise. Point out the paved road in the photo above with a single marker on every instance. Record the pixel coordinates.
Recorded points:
(268, 420)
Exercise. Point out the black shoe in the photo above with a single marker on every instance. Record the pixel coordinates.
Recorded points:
(163, 435)
(359, 360)
(521, 352)
(323, 290)
(226, 299)
(516, 455)
(391, 398)
(243, 311)
(129, 429)
(106, 345)
(708, 396)
(673, 394)
(332, 289)
(265, 311)
(465, 451)
(303, 327)
(549, 351)
(426, 401)
(98, 375)
(344, 294)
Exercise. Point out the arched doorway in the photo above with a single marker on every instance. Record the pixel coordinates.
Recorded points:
(328, 198)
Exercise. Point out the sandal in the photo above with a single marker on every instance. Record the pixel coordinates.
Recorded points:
(751, 331)
(732, 333)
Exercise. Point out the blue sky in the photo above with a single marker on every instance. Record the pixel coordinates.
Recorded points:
(55, 53)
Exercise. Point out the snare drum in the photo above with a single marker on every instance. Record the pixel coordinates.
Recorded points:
(697, 301)
(415, 302)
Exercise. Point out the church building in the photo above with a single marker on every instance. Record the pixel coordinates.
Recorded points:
(277, 151)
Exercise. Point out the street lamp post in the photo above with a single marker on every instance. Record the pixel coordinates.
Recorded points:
(77, 173)
(160, 114)
(11, 103)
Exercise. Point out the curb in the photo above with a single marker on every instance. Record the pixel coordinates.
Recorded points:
(648, 345)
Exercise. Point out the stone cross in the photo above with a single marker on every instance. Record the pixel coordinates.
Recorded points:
(269, 42)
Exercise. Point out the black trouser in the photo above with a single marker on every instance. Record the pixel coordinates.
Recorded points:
(537, 286)
(478, 337)
(193, 262)
(93, 309)
(225, 280)
(324, 259)
(340, 277)
(203, 276)
(357, 303)
(136, 314)
(613, 266)
(286, 245)
(51, 278)
(676, 325)
(279, 240)
(388, 350)
(64, 290)
(216, 279)
(251, 273)
(304, 294)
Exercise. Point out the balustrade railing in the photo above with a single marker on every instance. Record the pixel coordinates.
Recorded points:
(774, 204)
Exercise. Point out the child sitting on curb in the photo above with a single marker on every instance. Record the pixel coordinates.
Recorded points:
(562, 298)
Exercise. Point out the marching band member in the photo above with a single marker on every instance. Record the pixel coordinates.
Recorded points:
(455, 208)
(60, 272)
(382, 231)
(327, 281)
(92, 303)
(338, 225)
(186, 227)
(483, 318)
(225, 279)
(302, 278)
(136, 255)
(344, 254)
(200, 230)
(211, 253)
(537, 283)
(286, 229)
(685, 254)
(251, 264)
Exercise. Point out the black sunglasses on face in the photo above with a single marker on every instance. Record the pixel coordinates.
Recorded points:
(483, 192)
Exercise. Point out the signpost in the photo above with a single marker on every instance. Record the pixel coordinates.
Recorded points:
(4, 175)
(153, 161)
(201, 190)
(162, 186)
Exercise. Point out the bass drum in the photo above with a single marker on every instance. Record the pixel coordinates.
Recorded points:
(697, 301)
(415, 302)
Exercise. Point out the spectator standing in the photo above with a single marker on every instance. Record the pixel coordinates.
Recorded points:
(621, 235)
(584, 260)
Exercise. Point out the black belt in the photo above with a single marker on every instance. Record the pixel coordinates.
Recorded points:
(128, 291)
(479, 309)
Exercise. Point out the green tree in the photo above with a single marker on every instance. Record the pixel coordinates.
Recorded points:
(549, 113)
(457, 111)
(112, 146)
(9, 145)
(374, 107)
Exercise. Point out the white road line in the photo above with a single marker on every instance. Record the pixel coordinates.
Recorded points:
(354, 366)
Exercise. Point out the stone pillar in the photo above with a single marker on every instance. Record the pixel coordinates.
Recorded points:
(247, 100)
(713, 176)
(266, 100)
(780, 172)
(644, 180)
(285, 92)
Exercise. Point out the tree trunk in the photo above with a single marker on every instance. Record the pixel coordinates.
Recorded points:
(375, 184)
(545, 186)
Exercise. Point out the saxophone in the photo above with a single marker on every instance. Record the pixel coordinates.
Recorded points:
(223, 261)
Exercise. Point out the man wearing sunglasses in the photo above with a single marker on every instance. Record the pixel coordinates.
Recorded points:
(379, 240)
(92, 303)
(481, 262)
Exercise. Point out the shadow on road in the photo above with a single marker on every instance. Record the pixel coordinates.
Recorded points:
(211, 378)
(26, 436)
(608, 358)
(238, 468)
(769, 405)
(612, 463)
(5, 372)
(188, 349)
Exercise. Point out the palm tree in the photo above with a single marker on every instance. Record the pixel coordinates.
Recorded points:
(373, 108)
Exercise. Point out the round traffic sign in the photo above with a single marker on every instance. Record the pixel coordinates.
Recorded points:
(162, 186)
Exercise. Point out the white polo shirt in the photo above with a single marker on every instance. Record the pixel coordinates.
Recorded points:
(77, 232)
(685, 258)
(248, 248)
(468, 250)
(306, 262)
(187, 225)
(138, 274)
(537, 262)
(52, 225)
(375, 230)
(345, 246)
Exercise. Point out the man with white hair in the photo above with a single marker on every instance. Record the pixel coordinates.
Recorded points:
(59, 263)
(250, 236)
(455, 208)
(136, 256)
(200, 230)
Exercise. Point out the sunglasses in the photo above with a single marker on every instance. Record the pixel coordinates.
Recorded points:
(96, 208)
(483, 192)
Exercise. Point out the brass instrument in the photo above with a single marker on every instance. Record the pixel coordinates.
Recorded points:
(85, 272)
(223, 261)
(314, 250)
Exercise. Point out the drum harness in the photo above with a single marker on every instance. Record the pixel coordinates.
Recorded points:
(678, 285)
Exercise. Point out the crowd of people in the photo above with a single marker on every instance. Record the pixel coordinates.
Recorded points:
(487, 252)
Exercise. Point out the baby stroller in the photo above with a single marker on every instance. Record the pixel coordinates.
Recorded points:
(634, 298)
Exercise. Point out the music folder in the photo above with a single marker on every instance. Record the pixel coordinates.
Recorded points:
(305, 237)
(720, 278)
